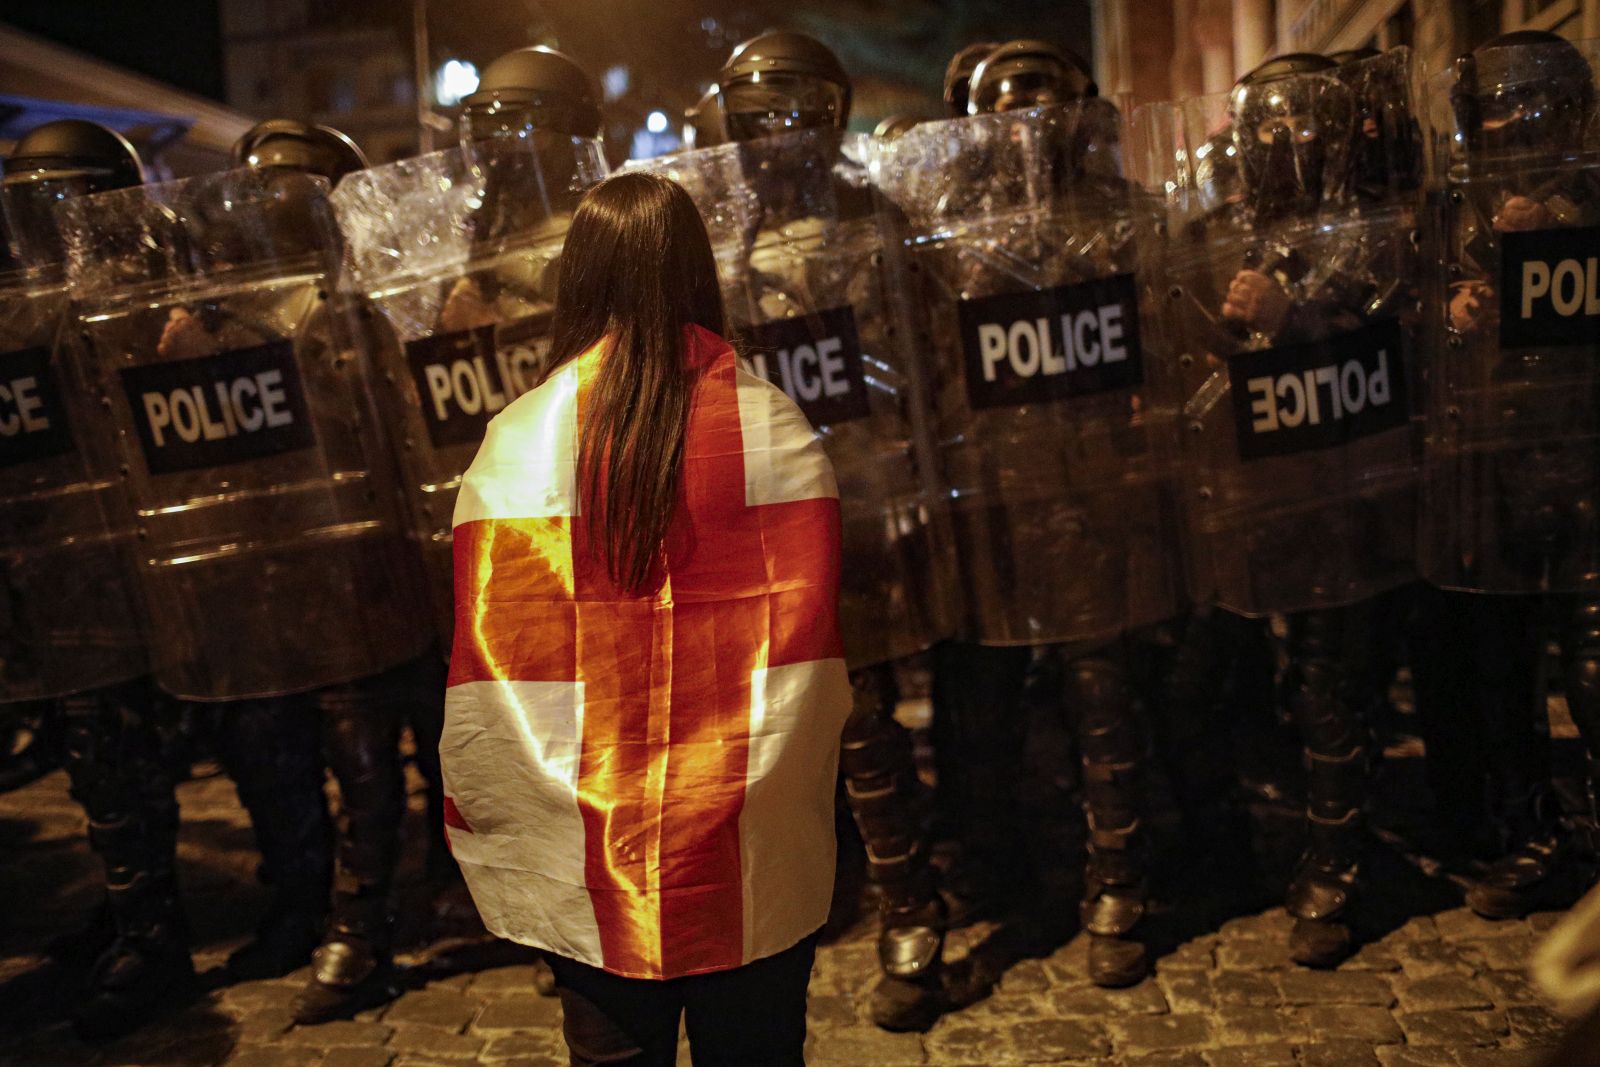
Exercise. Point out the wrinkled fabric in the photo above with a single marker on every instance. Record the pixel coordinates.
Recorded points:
(644, 783)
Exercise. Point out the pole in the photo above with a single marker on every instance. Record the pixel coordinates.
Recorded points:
(419, 45)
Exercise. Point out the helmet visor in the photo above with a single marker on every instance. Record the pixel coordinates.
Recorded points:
(29, 200)
(519, 119)
(779, 104)
(1024, 83)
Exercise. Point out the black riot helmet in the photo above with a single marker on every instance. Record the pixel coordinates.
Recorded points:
(299, 146)
(73, 148)
(958, 75)
(55, 162)
(1293, 129)
(1024, 74)
(894, 126)
(702, 123)
(529, 90)
(1527, 94)
(1387, 146)
(780, 82)
(1215, 171)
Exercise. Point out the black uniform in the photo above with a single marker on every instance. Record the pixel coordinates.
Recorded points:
(70, 630)
(1514, 472)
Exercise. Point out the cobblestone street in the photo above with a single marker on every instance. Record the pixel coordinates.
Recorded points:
(1439, 987)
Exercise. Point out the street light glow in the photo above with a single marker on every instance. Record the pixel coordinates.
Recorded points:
(454, 79)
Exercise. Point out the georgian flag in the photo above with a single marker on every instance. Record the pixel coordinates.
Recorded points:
(645, 783)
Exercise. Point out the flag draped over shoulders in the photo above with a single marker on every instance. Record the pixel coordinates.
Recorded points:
(645, 783)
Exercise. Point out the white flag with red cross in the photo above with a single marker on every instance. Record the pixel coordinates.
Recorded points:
(645, 783)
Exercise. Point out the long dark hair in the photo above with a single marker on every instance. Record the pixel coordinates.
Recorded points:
(636, 270)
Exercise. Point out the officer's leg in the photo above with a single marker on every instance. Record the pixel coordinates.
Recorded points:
(272, 749)
(361, 734)
(1334, 735)
(1444, 670)
(1112, 743)
(881, 784)
(116, 758)
(1197, 746)
(1582, 670)
(978, 735)
(1509, 704)
(421, 685)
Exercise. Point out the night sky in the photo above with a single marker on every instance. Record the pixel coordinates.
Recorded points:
(895, 50)
(176, 41)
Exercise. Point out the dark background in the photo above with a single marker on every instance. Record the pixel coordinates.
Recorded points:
(672, 48)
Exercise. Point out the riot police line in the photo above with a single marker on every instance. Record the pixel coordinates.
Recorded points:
(1302, 349)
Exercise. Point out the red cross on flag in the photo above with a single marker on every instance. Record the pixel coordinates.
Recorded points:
(645, 783)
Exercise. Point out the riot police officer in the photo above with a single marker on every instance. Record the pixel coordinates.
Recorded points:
(360, 722)
(1315, 264)
(1098, 697)
(1513, 468)
(276, 580)
(71, 626)
(784, 99)
(478, 301)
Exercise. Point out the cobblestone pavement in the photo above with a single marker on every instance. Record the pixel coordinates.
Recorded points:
(1436, 986)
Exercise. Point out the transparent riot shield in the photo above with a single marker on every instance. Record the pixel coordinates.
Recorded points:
(69, 620)
(452, 256)
(270, 557)
(1288, 306)
(809, 297)
(1512, 482)
(1022, 249)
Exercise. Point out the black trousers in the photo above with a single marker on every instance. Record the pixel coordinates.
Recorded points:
(750, 1016)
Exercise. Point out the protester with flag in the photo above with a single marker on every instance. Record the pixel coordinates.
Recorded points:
(647, 688)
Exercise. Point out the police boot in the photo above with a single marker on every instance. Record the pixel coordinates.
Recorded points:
(910, 994)
(1116, 894)
(147, 968)
(882, 790)
(1116, 890)
(1322, 893)
(1321, 896)
(1535, 874)
(351, 969)
(273, 751)
(115, 757)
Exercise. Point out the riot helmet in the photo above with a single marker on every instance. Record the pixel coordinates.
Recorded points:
(1024, 74)
(781, 82)
(894, 126)
(1529, 93)
(299, 146)
(1293, 132)
(1214, 168)
(54, 162)
(538, 98)
(291, 213)
(529, 91)
(702, 123)
(958, 75)
(1387, 145)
